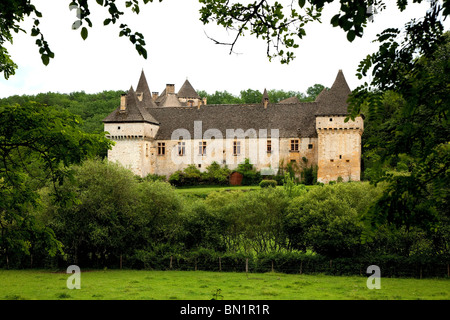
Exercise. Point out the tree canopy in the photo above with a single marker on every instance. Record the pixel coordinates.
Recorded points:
(279, 25)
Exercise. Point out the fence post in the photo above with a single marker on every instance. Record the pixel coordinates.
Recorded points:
(301, 266)
(195, 264)
(220, 265)
(272, 265)
(246, 265)
(170, 265)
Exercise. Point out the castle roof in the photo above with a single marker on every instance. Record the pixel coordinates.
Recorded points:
(291, 120)
(291, 117)
(169, 100)
(187, 91)
(142, 88)
(293, 99)
(334, 100)
(135, 111)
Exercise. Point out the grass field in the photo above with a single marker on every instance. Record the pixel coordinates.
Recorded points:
(201, 285)
(205, 190)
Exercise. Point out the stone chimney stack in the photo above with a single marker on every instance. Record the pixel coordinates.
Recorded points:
(155, 95)
(205, 100)
(123, 102)
(170, 88)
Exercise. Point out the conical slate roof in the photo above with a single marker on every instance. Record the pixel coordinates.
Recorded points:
(170, 100)
(143, 89)
(334, 100)
(134, 111)
(187, 91)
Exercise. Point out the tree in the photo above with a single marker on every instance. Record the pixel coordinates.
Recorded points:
(280, 26)
(38, 143)
(416, 132)
(13, 13)
(314, 91)
(327, 219)
(251, 96)
(97, 225)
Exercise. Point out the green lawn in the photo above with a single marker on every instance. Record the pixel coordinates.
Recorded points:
(201, 285)
(203, 191)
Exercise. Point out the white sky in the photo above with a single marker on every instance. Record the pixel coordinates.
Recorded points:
(178, 49)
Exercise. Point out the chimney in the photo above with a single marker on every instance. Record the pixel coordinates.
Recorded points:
(170, 88)
(199, 103)
(123, 102)
(204, 100)
(155, 95)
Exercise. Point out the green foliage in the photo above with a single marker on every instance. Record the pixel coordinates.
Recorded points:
(407, 108)
(38, 143)
(217, 175)
(268, 183)
(250, 175)
(14, 13)
(327, 220)
(192, 176)
(251, 96)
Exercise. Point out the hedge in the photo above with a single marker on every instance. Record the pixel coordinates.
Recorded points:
(268, 183)
(291, 263)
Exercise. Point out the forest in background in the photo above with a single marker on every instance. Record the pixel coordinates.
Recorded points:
(92, 108)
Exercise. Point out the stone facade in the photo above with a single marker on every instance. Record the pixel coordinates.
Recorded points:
(161, 133)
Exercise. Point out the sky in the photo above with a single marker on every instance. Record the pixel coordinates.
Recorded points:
(179, 49)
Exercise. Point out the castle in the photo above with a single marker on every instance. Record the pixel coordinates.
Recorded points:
(161, 133)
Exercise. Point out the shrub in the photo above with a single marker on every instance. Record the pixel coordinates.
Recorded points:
(309, 175)
(327, 219)
(268, 183)
(250, 175)
(176, 178)
(216, 175)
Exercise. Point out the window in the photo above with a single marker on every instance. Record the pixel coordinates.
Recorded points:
(293, 161)
(310, 146)
(181, 148)
(161, 148)
(331, 119)
(118, 128)
(236, 148)
(340, 156)
(202, 148)
(294, 145)
(269, 146)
